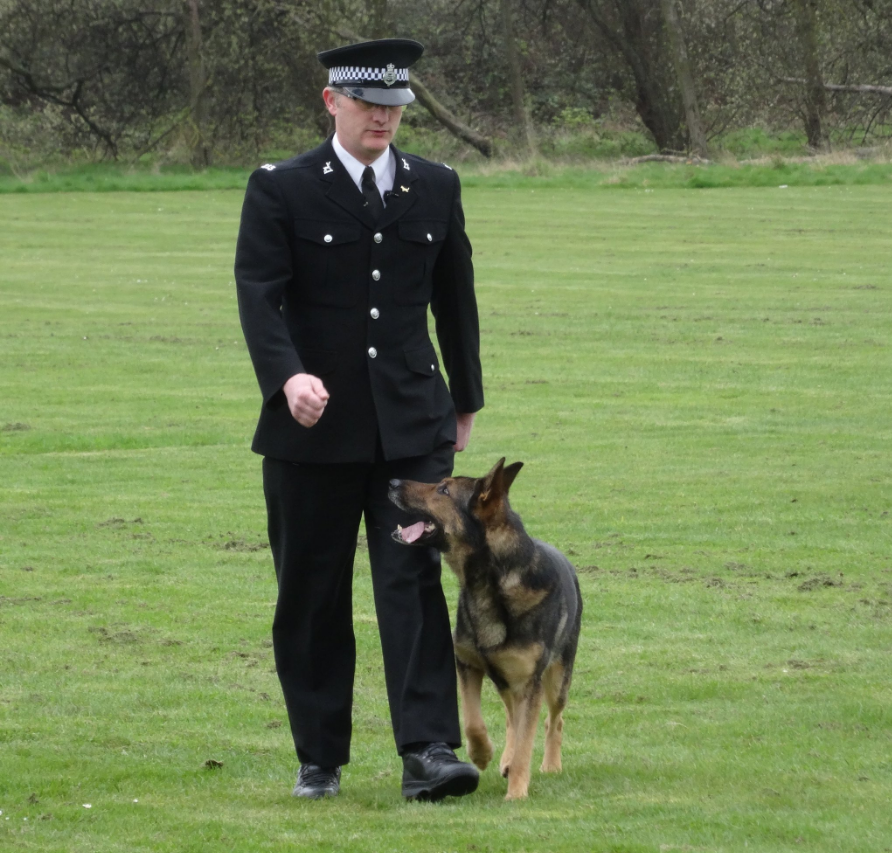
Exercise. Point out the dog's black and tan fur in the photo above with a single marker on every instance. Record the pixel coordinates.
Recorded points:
(519, 612)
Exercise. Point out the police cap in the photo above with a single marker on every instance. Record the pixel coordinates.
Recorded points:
(374, 71)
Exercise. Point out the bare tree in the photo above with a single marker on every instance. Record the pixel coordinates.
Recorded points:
(634, 31)
(815, 104)
(198, 88)
(522, 119)
(685, 78)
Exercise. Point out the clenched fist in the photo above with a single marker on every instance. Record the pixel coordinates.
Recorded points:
(306, 397)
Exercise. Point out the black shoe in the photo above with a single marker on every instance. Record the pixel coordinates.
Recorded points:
(315, 782)
(434, 772)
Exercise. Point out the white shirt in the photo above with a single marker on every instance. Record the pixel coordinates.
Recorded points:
(384, 167)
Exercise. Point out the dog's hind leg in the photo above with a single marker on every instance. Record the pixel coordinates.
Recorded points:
(525, 718)
(470, 682)
(556, 685)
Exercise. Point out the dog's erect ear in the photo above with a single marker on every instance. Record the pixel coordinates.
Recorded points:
(494, 486)
(510, 473)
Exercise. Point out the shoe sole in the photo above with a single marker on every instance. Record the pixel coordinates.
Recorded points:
(456, 786)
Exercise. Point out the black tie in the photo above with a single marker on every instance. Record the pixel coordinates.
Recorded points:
(370, 192)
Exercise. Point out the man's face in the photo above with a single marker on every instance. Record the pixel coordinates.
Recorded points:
(364, 129)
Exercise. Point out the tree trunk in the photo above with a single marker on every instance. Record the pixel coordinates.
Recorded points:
(198, 89)
(523, 121)
(685, 78)
(815, 99)
(378, 28)
(634, 34)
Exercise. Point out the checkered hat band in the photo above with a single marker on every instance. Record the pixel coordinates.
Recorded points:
(361, 74)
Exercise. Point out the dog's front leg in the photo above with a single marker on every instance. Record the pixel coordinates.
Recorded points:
(525, 718)
(470, 681)
(508, 751)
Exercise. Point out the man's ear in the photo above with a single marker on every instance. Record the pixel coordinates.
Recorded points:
(330, 98)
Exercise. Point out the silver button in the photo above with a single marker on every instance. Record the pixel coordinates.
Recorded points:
(373, 353)
(379, 237)
(375, 313)
(328, 238)
(429, 238)
(376, 275)
(433, 368)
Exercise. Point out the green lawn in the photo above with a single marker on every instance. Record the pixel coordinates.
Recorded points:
(700, 385)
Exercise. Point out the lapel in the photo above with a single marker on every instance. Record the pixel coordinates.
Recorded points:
(340, 187)
(403, 195)
(343, 192)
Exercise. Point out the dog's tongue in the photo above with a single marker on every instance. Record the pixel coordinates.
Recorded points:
(412, 532)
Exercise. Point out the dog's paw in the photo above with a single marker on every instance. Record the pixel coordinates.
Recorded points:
(480, 752)
(551, 767)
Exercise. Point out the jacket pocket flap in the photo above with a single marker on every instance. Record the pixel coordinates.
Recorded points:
(422, 360)
(326, 233)
(423, 231)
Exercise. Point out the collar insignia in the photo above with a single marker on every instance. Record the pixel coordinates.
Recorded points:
(327, 170)
(389, 76)
(405, 164)
(404, 189)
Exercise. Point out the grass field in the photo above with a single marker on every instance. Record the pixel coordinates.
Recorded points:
(700, 385)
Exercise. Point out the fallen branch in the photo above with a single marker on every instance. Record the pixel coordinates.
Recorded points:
(670, 158)
(853, 87)
(448, 119)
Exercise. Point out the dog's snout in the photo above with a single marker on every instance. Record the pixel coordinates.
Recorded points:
(395, 484)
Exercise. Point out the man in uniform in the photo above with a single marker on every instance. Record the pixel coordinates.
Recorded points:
(340, 252)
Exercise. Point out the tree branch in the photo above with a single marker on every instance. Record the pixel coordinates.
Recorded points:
(835, 87)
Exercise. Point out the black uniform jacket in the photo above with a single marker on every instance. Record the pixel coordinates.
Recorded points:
(324, 289)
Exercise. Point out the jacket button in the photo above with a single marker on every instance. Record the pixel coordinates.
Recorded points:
(433, 368)
(430, 239)
(373, 353)
(375, 313)
(328, 238)
(379, 237)
(376, 275)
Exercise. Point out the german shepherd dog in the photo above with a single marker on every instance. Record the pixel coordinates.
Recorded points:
(519, 612)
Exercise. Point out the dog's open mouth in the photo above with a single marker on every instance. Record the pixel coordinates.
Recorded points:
(415, 533)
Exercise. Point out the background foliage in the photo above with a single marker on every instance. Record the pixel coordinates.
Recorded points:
(228, 81)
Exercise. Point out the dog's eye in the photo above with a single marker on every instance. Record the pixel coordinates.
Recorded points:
(441, 489)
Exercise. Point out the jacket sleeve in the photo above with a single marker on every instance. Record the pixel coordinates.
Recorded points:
(454, 306)
(263, 269)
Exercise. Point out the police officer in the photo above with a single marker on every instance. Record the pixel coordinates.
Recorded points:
(340, 252)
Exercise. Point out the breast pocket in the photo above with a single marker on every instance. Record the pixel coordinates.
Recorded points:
(423, 240)
(326, 262)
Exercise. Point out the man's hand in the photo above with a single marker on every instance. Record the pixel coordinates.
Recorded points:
(464, 422)
(306, 397)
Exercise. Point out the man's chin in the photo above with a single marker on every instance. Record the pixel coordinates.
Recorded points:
(376, 142)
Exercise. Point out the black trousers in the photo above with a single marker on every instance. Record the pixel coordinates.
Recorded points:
(314, 513)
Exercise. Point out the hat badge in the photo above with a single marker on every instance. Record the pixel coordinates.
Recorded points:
(389, 76)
